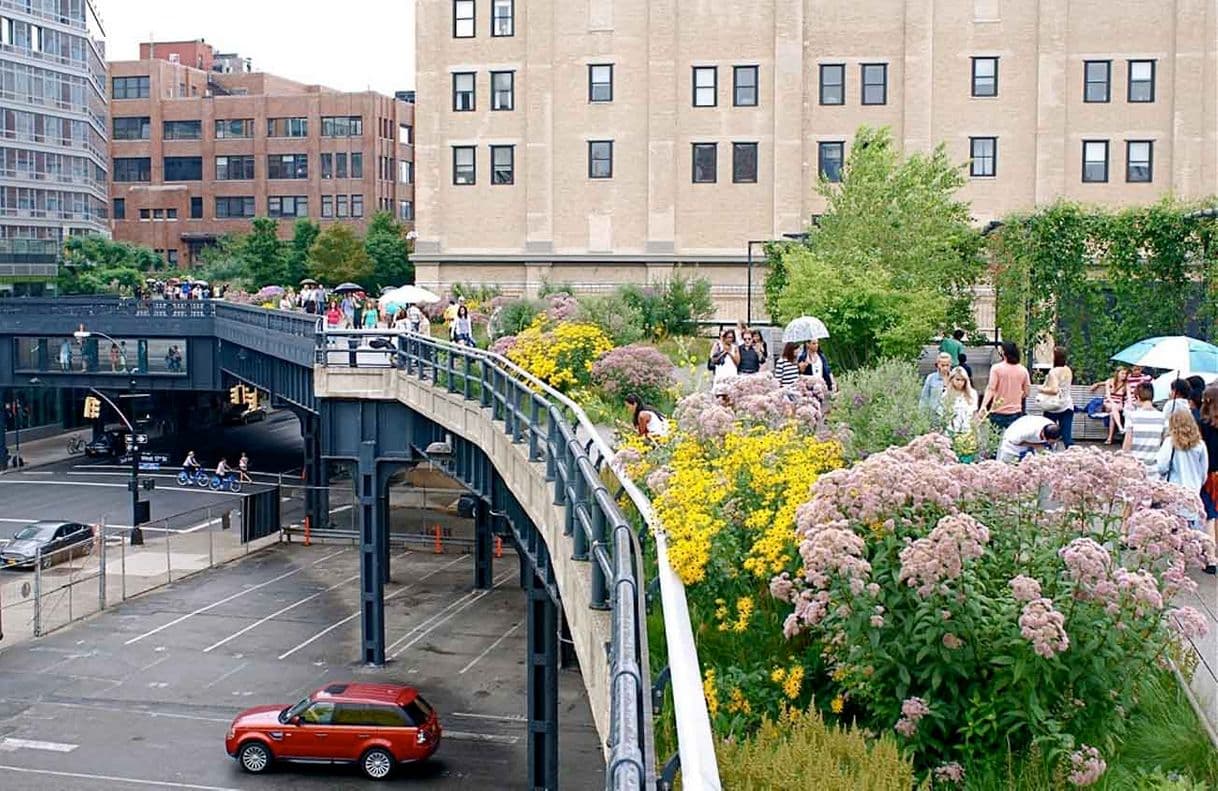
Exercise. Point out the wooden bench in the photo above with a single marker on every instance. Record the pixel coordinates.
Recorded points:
(1085, 427)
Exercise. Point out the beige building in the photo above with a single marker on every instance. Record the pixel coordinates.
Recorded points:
(594, 142)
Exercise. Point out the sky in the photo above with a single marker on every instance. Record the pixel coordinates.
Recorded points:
(350, 45)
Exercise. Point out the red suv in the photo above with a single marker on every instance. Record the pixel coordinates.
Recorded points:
(377, 726)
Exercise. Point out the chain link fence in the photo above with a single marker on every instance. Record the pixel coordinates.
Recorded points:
(105, 568)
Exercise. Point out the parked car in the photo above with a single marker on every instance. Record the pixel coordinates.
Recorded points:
(58, 541)
(110, 443)
(375, 726)
(239, 414)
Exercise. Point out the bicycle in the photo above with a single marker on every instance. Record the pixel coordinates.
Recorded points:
(229, 481)
(198, 477)
(76, 446)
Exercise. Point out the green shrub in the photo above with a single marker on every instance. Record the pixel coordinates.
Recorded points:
(877, 408)
(514, 317)
(480, 292)
(800, 751)
(549, 288)
(671, 307)
(621, 320)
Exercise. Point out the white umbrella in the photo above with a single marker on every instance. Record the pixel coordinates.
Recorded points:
(805, 328)
(1163, 383)
(409, 295)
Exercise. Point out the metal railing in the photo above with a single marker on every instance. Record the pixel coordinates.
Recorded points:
(577, 460)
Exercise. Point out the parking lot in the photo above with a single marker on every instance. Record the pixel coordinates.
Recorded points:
(140, 696)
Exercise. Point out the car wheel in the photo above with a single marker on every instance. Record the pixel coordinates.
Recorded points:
(254, 757)
(377, 763)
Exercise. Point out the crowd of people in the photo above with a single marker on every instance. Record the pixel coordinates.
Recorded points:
(741, 351)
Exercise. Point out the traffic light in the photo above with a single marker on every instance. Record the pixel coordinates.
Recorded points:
(235, 394)
(251, 398)
(92, 407)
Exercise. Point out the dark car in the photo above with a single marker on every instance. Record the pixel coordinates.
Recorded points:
(374, 726)
(54, 542)
(110, 443)
(239, 415)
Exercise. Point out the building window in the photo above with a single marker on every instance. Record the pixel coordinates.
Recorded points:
(171, 257)
(502, 22)
(145, 214)
(196, 208)
(234, 208)
(1141, 81)
(405, 171)
(341, 208)
(983, 156)
(183, 168)
(600, 159)
(287, 206)
(744, 86)
(463, 91)
(600, 82)
(405, 134)
(831, 156)
(357, 205)
(1097, 80)
(129, 88)
(327, 206)
(832, 83)
(1095, 161)
(287, 166)
(744, 163)
(340, 166)
(705, 163)
(706, 86)
(327, 166)
(502, 90)
(182, 130)
(1139, 161)
(985, 77)
(239, 168)
(342, 126)
(405, 210)
(133, 128)
(463, 18)
(234, 128)
(875, 83)
(357, 166)
(503, 164)
(464, 165)
(119, 207)
(287, 127)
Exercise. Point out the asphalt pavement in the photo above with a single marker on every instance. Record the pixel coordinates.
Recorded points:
(140, 696)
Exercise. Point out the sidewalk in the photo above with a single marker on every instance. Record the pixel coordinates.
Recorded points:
(47, 450)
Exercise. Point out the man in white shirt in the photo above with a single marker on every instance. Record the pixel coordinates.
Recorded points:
(1027, 435)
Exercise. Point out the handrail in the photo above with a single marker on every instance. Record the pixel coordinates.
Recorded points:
(699, 769)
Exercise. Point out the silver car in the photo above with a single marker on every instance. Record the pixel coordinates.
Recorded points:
(57, 541)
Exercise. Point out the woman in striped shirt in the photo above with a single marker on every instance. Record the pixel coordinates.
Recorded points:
(786, 371)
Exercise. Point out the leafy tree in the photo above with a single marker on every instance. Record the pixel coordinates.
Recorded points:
(338, 255)
(304, 234)
(95, 264)
(263, 254)
(386, 245)
(221, 262)
(893, 257)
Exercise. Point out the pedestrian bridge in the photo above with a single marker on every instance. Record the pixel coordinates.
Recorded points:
(379, 401)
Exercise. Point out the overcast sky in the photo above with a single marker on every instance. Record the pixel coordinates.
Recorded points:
(346, 44)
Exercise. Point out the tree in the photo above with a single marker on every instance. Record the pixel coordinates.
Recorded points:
(95, 264)
(263, 254)
(893, 258)
(304, 234)
(221, 262)
(386, 245)
(338, 255)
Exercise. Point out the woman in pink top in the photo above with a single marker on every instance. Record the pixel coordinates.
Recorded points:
(1008, 387)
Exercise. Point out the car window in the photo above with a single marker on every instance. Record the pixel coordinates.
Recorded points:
(28, 532)
(62, 531)
(320, 713)
(370, 714)
(418, 710)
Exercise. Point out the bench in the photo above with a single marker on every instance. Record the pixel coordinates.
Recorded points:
(1085, 427)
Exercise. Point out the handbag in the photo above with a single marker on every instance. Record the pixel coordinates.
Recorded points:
(1055, 402)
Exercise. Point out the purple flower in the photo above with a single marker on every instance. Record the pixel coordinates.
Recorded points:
(1024, 588)
(1045, 627)
(1087, 766)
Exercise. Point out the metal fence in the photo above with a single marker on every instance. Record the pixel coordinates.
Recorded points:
(72, 583)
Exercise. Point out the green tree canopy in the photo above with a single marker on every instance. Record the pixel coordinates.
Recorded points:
(304, 234)
(338, 255)
(386, 245)
(263, 254)
(892, 259)
(94, 264)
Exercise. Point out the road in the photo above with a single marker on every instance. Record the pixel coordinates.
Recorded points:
(140, 696)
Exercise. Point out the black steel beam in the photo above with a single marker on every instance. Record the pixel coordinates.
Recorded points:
(542, 686)
(371, 577)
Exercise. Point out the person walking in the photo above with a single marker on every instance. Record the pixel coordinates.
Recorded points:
(114, 357)
(1008, 387)
(752, 353)
(1209, 492)
(953, 345)
(1115, 399)
(461, 329)
(935, 383)
(959, 402)
(724, 361)
(65, 355)
(1144, 428)
(1054, 396)
(813, 362)
(1183, 458)
(333, 316)
(1179, 399)
(370, 315)
(647, 421)
(243, 468)
(786, 370)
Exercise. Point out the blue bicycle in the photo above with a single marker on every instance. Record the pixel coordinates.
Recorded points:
(229, 482)
(196, 476)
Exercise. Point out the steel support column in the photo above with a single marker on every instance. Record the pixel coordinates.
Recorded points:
(317, 492)
(484, 560)
(542, 686)
(382, 499)
(371, 576)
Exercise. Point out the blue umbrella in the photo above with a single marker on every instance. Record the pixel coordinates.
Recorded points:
(1172, 353)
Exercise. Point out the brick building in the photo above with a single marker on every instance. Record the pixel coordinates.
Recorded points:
(200, 146)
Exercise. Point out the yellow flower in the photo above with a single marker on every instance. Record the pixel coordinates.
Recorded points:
(710, 691)
(794, 683)
(738, 703)
(744, 611)
(837, 704)
(778, 675)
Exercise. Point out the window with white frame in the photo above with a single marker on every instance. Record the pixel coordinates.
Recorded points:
(706, 86)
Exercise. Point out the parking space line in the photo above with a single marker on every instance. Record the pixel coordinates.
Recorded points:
(232, 672)
(480, 737)
(227, 599)
(499, 717)
(355, 614)
(489, 648)
(116, 710)
(11, 743)
(115, 779)
(464, 605)
(277, 613)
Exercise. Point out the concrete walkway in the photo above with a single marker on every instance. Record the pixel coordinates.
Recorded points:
(47, 450)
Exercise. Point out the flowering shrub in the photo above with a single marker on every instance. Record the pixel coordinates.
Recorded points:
(635, 369)
(752, 401)
(561, 355)
(878, 407)
(561, 306)
(991, 606)
(621, 320)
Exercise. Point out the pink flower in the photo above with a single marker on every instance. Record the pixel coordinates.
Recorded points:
(912, 711)
(1140, 587)
(1024, 588)
(1086, 766)
(1045, 627)
(951, 642)
(949, 773)
(781, 587)
(1087, 564)
(957, 538)
(1187, 622)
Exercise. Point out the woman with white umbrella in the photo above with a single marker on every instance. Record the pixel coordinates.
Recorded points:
(809, 331)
